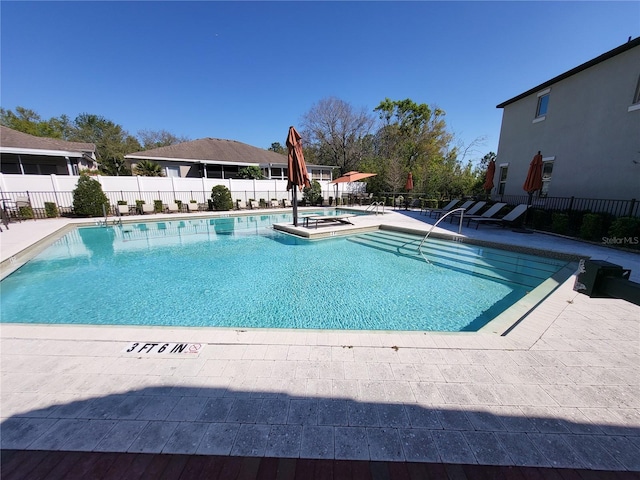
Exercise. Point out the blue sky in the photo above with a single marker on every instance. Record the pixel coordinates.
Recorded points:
(247, 70)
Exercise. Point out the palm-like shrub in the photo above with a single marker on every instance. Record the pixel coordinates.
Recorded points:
(88, 198)
(147, 168)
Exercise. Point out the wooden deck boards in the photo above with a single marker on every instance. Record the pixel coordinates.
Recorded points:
(35, 465)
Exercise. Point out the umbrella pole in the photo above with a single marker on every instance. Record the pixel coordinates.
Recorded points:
(295, 207)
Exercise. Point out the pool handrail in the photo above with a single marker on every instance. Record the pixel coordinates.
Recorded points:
(376, 205)
(461, 210)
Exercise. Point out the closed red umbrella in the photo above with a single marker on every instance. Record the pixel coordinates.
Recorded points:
(532, 184)
(491, 171)
(297, 175)
(534, 175)
(409, 186)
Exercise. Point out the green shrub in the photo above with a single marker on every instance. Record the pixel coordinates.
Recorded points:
(50, 209)
(560, 223)
(575, 221)
(591, 228)
(313, 194)
(88, 198)
(157, 206)
(25, 212)
(625, 227)
(429, 203)
(221, 198)
(540, 219)
(330, 201)
(179, 203)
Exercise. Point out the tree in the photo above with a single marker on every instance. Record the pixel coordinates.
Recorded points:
(415, 139)
(111, 140)
(335, 131)
(28, 121)
(159, 138)
(251, 172)
(88, 198)
(147, 168)
(278, 148)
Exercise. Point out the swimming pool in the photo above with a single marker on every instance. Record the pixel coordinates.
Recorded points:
(239, 272)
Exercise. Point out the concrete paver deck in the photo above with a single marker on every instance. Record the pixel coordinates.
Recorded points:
(560, 390)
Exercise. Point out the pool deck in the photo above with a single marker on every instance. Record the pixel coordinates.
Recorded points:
(560, 391)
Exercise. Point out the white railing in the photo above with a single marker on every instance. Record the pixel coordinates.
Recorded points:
(461, 210)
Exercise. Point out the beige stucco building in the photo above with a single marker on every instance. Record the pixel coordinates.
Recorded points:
(586, 124)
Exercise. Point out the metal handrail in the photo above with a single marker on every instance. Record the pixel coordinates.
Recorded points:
(376, 205)
(461, 210)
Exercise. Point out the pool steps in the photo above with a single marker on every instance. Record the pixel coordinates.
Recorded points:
(502, 265)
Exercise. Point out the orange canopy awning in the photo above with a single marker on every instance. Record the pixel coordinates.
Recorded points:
(353, 177)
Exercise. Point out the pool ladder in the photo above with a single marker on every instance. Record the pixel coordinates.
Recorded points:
(105, 222)
(375, 206)
(461, 210)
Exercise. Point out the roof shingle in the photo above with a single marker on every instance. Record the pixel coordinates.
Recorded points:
(10, 138)
(213, 149)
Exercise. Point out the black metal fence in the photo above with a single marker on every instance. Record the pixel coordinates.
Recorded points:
(64, 200)
(617, 208)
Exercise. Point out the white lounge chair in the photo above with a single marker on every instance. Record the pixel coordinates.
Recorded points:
(307, 219)
(493, 211)
(470, 211)
(240, 205)
(172, 207)
(508, 220)
(274, 204)
(253, 204)
(192, 207)
(287, 203)
(446, 208)
(147, 208)
(441, 212)
(123, 210)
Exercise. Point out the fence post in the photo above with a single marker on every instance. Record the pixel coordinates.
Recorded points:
(631, 205)
(571, 204)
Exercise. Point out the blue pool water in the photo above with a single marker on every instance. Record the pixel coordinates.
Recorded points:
(238, 272)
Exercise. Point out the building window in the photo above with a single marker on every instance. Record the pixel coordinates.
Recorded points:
(503, 178)
(636, 98)
(543, 103)
(316, 174)
(172, 171)
(547, 169)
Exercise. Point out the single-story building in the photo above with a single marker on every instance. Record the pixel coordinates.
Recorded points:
(586, 124)
(218, 158)
(24, 154)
